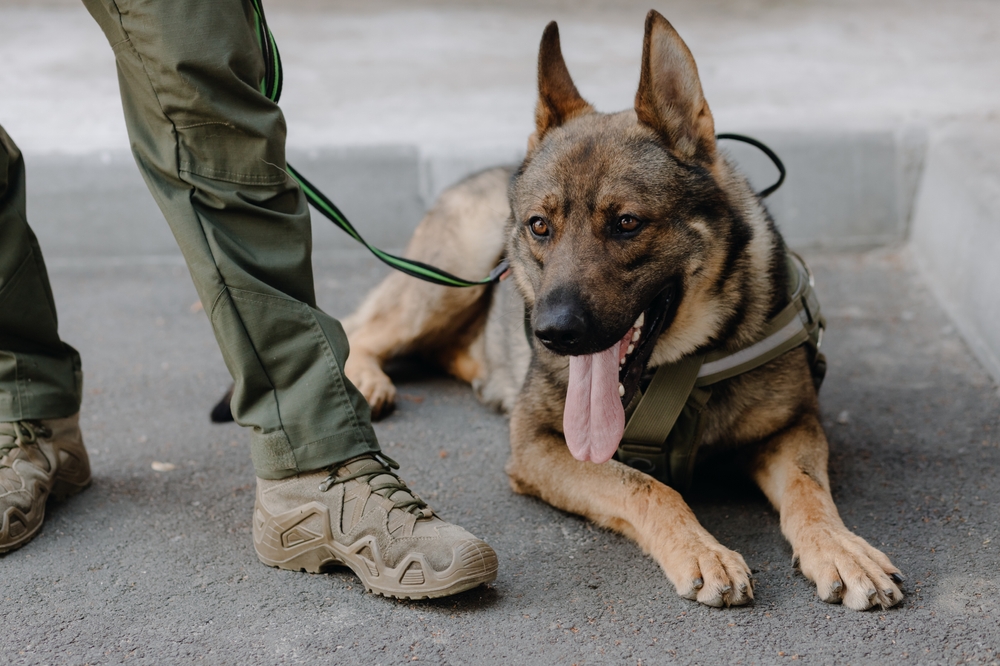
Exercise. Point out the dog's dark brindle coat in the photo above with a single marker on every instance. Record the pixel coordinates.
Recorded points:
(610, 216)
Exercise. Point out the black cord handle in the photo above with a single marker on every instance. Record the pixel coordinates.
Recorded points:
(767, 151)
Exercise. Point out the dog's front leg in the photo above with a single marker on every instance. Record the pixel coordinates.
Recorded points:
(623, 499)
(791, 469)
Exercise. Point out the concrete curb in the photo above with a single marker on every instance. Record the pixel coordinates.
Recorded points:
(844, 189)
(956, 232)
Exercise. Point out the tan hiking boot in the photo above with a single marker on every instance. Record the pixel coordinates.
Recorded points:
(363, 516)
(38, 460)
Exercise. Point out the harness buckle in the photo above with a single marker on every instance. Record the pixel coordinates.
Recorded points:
(653, 460)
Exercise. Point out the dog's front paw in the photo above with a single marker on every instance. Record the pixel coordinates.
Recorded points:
(846, 569)
(711, 574)
(366, 374)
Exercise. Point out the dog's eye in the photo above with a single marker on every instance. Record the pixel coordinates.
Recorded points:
(627, 224)
(538, 226)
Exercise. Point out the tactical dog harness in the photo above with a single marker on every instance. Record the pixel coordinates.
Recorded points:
(665, 424)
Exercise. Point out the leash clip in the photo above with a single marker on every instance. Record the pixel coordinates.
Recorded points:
(501, 272)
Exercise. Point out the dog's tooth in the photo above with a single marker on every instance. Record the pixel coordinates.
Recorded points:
(621, 361)
(635, 335)
(631, 348)
(641, 320)
(621, 390)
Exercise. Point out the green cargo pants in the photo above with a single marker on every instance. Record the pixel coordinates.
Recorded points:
(210, 147)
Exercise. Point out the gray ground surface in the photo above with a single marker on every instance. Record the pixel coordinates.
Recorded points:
(157, 568)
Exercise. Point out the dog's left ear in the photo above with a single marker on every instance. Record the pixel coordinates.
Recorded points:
(670, 99)
(558, 98)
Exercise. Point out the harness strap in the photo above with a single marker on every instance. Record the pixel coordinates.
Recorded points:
(662, 401)
(664, 430)
(646, 433)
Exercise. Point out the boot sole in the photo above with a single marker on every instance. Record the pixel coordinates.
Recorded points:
(60, 491)
(23, 538)
(301, 540)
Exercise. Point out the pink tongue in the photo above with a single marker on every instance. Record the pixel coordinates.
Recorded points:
(594, 418)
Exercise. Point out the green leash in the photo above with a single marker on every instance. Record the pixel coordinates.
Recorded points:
(417, 269)
(270, 86)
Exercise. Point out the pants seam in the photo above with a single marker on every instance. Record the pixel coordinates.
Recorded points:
(337, 374)
(15, 276)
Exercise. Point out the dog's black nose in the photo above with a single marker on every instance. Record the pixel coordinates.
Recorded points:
(560, 324)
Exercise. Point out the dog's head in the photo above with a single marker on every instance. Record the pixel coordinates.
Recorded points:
(620, 227)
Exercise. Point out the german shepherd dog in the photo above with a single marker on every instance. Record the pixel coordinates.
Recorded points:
(632, 243)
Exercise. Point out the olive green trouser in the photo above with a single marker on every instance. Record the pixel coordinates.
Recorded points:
(211, 149)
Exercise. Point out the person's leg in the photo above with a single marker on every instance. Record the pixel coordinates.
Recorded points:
(41, 450)
(211, 148)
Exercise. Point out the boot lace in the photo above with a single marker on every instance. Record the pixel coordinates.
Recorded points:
(18, 434)
(388, 488)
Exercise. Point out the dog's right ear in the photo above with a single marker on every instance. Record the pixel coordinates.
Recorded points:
(558, 98)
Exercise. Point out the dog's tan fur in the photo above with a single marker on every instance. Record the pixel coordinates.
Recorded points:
(706, 231)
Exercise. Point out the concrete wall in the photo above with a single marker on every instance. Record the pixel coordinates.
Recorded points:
(956, 232)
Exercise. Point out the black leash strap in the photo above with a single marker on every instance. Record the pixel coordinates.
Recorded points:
(271, 88)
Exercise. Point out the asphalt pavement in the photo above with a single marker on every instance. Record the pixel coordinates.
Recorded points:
(389, 101)
(158, 567)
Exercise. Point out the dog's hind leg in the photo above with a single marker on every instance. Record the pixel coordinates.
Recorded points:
(791, 469)
(626, 500)
(462, 234)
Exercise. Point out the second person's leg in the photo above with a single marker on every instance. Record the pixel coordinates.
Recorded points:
(41, 448)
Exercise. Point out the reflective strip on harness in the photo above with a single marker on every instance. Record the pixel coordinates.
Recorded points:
(791, 333)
